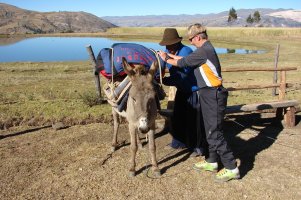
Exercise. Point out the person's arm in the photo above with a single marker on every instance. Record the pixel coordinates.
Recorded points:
(175, 56)
(195, 59)
(169, 58)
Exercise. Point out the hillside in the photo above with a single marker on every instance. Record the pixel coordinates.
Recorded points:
(14, 20)
(269, 18)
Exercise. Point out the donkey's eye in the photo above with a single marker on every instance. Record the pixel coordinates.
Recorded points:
(134, 100)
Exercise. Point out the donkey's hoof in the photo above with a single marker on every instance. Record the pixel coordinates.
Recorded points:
(113, 149)
(154, 173)
(132, 174)
(157, 173)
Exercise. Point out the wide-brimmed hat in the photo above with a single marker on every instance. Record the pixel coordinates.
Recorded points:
(170, 37)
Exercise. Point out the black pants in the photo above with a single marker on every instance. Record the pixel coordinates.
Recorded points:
(213, 103)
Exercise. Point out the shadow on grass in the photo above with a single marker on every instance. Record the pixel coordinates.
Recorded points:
(142, 138)
(23, 132)
(170, 156)
(263, 133)
(184, 152)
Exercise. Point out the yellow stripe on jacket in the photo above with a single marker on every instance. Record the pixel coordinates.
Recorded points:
(210, 75)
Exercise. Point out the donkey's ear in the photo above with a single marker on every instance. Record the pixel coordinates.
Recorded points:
(153, 68)
(127, 68)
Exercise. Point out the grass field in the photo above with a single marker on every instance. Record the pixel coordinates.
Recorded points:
(41, 93)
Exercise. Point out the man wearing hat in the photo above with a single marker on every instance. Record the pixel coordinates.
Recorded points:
(185, 121)
(213, 100)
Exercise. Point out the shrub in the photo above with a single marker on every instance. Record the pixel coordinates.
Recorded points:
(90, 98)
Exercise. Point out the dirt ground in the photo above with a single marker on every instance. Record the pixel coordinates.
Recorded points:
(75, 163)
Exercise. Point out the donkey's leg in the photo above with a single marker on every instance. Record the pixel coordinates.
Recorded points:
(115, 129)
(152, 149)
(138, 140)
(132, 130)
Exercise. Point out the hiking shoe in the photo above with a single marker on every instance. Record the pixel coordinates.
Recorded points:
(205, 166)
(225, 175)
(197, 152)
(176, 144)
(193, 154)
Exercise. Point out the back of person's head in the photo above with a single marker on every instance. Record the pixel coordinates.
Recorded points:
(170, 37)
(197, 29)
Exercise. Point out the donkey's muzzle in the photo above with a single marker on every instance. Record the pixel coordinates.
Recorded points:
(143, 125)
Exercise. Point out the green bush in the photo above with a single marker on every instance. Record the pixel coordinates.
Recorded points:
(90, 98)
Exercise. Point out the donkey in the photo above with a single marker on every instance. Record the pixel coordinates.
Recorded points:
(140, 113)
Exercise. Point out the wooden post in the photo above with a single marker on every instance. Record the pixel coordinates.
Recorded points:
(96, 74)
(276, 66)
(289, 117)
(282, 87)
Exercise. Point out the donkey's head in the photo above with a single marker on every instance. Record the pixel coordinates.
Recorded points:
(141, 105)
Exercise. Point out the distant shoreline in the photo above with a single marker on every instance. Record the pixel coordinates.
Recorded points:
(156, 32)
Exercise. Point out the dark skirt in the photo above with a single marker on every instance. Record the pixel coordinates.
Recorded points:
(187, 121)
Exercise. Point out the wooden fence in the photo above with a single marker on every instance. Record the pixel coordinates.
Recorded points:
(284, 108)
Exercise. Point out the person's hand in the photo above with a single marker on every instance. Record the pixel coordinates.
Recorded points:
(162, 54)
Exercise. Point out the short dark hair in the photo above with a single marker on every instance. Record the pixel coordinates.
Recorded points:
(204, 35)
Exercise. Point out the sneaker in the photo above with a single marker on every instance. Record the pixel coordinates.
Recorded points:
(193, 154)
(225, 175)
(205, 166)
(175, 144)
(197, 152)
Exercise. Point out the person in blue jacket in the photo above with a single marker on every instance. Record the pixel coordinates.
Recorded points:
(187, 129)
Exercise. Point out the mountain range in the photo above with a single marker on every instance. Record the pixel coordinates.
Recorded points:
(14, 20)
(269, 18)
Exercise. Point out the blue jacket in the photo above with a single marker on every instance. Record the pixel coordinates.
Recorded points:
(182, 78)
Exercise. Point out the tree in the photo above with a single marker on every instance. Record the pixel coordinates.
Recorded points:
(250, 20)
(232, 15)
(256, 16)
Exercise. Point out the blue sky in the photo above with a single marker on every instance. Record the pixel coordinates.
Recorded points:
(102, 8)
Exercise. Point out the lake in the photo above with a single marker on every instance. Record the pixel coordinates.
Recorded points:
(46, 49)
